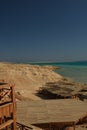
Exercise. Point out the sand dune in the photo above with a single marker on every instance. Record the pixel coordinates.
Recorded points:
(27, 78)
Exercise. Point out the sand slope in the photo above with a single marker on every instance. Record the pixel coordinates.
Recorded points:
(28, 78)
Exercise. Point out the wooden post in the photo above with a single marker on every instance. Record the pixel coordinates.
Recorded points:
(7, 107)
(14, 109)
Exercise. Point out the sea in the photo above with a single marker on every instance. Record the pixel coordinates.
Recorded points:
(76, 71)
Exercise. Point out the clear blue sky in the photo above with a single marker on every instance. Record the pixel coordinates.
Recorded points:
(43, 30)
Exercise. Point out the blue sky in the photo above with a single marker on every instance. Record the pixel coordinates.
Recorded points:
(43, 30)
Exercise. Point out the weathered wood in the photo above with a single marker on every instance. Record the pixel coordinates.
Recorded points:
(7, 107)
(6, 110)
(6, 124)
(14, 106)
(21, 126)
(5, 94)
(57, 112)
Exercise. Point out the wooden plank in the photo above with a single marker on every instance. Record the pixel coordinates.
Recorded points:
(5, 110)
(54, 111)
(6, 124)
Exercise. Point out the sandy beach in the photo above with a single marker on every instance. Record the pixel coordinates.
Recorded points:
(34, 82)
(32, 79)
(28, 78)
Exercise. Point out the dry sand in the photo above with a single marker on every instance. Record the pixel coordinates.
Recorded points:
(28, 78)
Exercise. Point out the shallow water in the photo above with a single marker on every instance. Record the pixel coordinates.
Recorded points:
(77, 73)
(74, 70)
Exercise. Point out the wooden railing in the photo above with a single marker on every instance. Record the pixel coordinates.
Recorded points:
(23, 127)
(7, 107)
(5, 94)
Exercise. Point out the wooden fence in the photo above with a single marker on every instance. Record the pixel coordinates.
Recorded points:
(7, 107)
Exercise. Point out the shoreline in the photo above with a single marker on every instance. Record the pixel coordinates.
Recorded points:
(29, 79)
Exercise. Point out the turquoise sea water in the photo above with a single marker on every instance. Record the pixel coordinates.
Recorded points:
(74, 70)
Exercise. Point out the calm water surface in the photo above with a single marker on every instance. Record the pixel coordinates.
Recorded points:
(74, 70)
